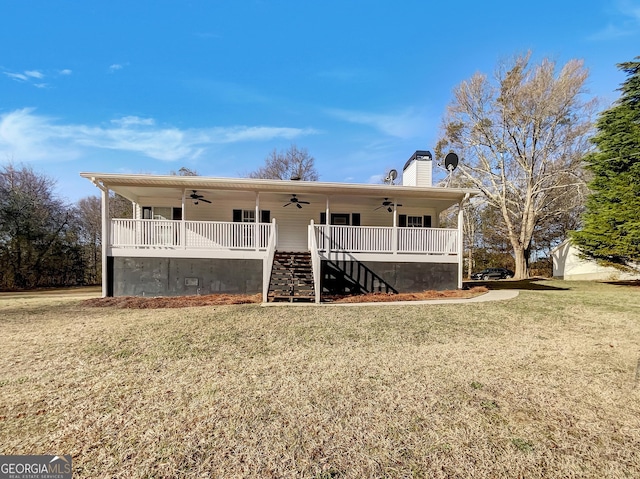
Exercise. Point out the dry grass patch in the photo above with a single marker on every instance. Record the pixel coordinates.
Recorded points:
(539, 386)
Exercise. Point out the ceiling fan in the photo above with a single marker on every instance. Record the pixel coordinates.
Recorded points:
(295, 201)
(196, 197)
(388, 205)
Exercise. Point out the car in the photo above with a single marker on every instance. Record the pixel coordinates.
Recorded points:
(493, 273)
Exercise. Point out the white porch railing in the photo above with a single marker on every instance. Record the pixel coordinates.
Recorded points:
(129, 233)
(374, 239)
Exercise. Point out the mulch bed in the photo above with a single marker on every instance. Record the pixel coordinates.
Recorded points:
(139, 302)
(421, 296)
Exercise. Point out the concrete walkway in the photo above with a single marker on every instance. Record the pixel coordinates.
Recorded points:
(498, 295)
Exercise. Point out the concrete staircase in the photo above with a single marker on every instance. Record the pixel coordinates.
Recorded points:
(291, 277)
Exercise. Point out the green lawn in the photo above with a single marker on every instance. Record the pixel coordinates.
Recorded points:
(545, 385)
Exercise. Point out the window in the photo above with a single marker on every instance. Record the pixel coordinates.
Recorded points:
(248, 216)
(161, 213)
(341, 219)
(414, 221)
(405, 221)
(161, 232)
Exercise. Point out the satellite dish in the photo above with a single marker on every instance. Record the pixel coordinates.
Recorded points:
(391, 176)
(451, 162)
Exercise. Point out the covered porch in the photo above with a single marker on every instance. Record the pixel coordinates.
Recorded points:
(248, 219)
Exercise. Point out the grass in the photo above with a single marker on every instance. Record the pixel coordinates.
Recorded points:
(544, 385)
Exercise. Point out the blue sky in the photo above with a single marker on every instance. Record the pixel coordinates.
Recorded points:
(151, 86)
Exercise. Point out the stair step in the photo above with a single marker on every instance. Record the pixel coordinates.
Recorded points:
(291, 277)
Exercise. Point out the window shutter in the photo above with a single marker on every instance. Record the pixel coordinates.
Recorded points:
(355, 219)
(426, 223)
(237, 216)
(402, 221)
(323, 218)
(265, 216)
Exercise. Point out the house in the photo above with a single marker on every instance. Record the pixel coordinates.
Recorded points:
(291, 240)
(568, 265)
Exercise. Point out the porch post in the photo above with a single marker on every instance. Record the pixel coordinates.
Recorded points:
(327, 227)
(183, 224)
(461, 239)
(256, 227)
(394, 237)
(106, 239)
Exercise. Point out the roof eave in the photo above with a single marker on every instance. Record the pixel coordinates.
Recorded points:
(111, 180)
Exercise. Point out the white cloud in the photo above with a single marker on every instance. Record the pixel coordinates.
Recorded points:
(126, 121)
(115, 67)
(65, 72)
(34, 74)
(254, 133)
(406, 124)
(17, 76)
(623, 21)
(32, 77)
(27, 136)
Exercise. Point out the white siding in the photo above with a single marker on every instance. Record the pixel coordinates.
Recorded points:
(418, 173)
(292, 222)
(568, 265)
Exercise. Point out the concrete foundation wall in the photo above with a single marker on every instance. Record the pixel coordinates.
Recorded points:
(185, 276)
(415, 277)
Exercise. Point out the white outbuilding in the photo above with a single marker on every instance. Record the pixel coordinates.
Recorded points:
(568, 265)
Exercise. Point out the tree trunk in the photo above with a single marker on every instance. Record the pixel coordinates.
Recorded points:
(522, 265)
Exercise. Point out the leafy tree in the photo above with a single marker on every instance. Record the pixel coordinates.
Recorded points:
(611, 231)
(285, 165)
(522, 138)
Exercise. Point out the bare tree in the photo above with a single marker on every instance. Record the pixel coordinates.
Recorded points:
(34, 225)
(522, 139)
(119, 206)
(184, 171)
(285, 165)
(89, 222)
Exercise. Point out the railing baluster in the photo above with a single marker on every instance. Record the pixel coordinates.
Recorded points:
(132, 233)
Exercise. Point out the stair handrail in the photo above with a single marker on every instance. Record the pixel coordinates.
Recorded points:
(368, 274)
(267, 262)
(315, 261)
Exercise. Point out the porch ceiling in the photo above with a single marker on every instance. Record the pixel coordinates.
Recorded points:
(133, 187)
